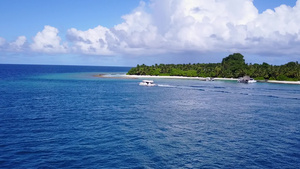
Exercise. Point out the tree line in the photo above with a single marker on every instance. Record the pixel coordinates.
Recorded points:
(233, 66)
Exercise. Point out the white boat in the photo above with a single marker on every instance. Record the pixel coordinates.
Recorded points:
(252, 80)
(209, 79)
(246, 79)
(147, 83)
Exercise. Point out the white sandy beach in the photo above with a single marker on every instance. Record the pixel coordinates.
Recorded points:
(284, 82)
(176, 77)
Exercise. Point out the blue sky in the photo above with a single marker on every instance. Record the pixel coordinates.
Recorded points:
(126, 33)
(262, 5)
(30, 16)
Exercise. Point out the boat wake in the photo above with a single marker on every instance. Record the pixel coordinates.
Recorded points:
(161, 85)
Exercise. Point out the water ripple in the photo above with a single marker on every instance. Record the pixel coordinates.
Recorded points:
(114, 123)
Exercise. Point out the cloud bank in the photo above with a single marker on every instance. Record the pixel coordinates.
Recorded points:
(48, 41)
(179, 26)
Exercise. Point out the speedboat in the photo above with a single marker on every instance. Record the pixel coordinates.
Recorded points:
(147, 83)
(246, 79)
(252, 80)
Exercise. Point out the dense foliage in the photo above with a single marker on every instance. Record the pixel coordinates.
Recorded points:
(232, 66)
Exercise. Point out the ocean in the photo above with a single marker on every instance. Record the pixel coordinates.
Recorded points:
(64, 117)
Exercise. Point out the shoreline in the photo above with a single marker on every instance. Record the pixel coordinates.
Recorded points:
(179, 77)
(284, 82)
(203, 79)
(124, 76)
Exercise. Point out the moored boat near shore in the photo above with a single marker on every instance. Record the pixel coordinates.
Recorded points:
(246, 79)
(209, 79)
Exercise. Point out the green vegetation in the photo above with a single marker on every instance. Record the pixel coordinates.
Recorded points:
(232, 66)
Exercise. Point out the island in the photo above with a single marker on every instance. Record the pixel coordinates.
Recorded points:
(232, 66)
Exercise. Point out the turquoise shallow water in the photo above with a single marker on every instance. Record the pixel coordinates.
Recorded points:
(63, 117)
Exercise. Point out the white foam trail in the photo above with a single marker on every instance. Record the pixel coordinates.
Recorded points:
(160, 85)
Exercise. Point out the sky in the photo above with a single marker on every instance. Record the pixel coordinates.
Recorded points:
(127, 33)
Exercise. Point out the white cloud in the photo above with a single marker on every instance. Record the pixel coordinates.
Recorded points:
(18, 44)
(169, 26)
(205, 26)
(2, 41)
(138, 31)
(48, 41)
(177, 25)
(228, 25)
(93, 41)
(3, 44)
(276, 31)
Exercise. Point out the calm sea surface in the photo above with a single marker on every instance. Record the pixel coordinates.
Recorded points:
(63, 117)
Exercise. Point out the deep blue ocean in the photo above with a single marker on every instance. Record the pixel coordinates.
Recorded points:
(64, 117)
